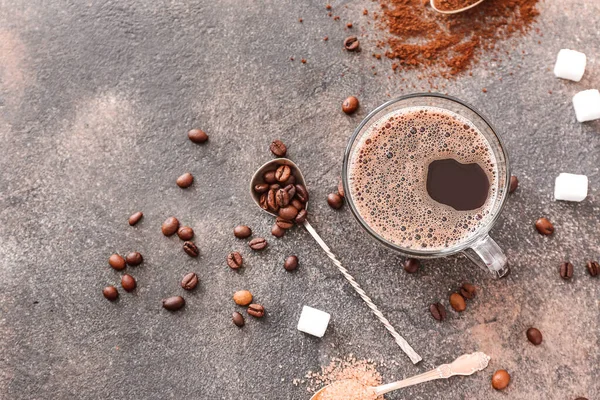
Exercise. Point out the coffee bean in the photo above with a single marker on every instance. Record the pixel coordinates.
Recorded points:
(135, 218)
(335, 201)
(288, 213)
(242, 231)
(438, 311)
(412, 265)
(278, 148)
(110, 292)
(272, 200)
(350, 105)
(238, 319)
(185, 180)
(581, 398)
(173, 303)
(242, 297)
(191, 249)
(284, 223)
(458, 302)
(302, 193)
(185, 233)
(128, 283)
(277, 231)
(290, 263)
(258, 244)
(467, 290)
(275, 187)
(341, 190)
(534, 336)
(197, 136)
(297, 204)
(291, 190)
(514, 184)
(566, 270)
(269, 177)
(500, 379)
(283, 173)
(235, 260)
(351, 43)
(290, 181)
(134, 258)
(593, 268)
(189, 281)
(282, 197)
(544, 226)
(170, 226)
(117, 262)
(256, 310)
(301, 217)
(264, 201)
(261, 188)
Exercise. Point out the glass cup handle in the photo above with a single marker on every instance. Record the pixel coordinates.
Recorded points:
(489, 256)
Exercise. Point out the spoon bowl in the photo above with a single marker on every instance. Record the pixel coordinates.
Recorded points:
(459, 10)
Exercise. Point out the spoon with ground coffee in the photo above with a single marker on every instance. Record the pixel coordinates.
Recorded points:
(453, 6)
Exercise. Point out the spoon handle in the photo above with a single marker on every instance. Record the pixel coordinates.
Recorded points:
(414, 357)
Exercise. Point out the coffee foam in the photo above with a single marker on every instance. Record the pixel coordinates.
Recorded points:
(388, 177)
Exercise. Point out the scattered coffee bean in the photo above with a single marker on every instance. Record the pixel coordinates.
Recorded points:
(197, 136)
(242, 231)
(191, 249)
(173, 303)
(283, 198)
(514, 184)
(467, 290)
(110, 292)
(283, 173)
(272, 200)
(235, 260)
(350, 105)
(264, 201)
(185, 233)
(134, 258)
(242, 297)
(411, 265)
(238, 319)
(278, 148)
(500, 379)
(261, 188)
(185, 180)
(288, 213)
(301, 217)
(291, 263)
(297, 204)
(302, 193)
(593, 268)
(438, 311)
(341, 190)
(351, 43)
(128, 283)
(117, 262)
(284, 223)
(458, 302)
(256, 310)
(189, 281)
(534, 336)
(544, 226)
(135, 218)
(335, 201)
(258, 244)
(277, 231)
(566, 270)
(269, 177)
(170, 226)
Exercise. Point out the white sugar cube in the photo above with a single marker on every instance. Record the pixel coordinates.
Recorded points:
(571, 187)
(313, 321)
(587, 105)
(570, 64)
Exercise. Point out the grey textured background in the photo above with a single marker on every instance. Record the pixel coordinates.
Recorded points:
(96, 98)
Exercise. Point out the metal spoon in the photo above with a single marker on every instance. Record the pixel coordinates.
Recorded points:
(432, 2)
(257, 178)
(463, 365)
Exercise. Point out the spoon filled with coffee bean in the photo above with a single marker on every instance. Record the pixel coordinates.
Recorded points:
(279, 188)
(453, 6)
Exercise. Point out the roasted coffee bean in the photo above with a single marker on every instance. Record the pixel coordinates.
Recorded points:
(197, 136)
(291, 190)
(350, 105)
(258, 244)
(302, 193)
(128, 283)
(412, 265)
(514, 184)
(242, 231)
(593, 268)
(566, 270)
(185, 233)
(277, 231)
(261, 188)
(238, 319)
(301, 217)
(544, 226)
(189, 281)
(284, 223)
(341, 190)
(335, 201)
(278, 148)
(269, 177)
(134, 258)
(282, 197)
(256, 310)
(500, 379)
(191, 249)
(117, 262)
(170, 226)
(283, 173)
(235, 260)
(297, 204)
(185, 180)
(290, 181)
(534, 336)
(290, 263)
(173, 303)
(135, 218)
(264, 201)
(458, 302)
(242, 297)
(438, 311)
(110, 292)
(275, 186)
(288, 213)
(467, 290)
(272, 200)
(351, 43)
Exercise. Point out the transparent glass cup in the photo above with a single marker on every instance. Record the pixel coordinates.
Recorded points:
(479, 248)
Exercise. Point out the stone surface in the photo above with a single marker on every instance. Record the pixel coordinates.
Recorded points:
(96, 99)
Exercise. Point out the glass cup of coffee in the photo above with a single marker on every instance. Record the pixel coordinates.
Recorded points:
(427, 175)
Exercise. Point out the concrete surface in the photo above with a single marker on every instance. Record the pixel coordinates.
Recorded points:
(96, 98)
